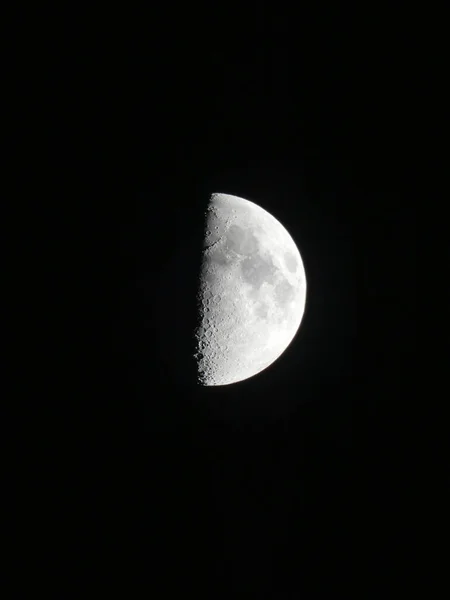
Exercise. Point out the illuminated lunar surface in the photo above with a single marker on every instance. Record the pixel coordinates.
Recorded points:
(252, 291)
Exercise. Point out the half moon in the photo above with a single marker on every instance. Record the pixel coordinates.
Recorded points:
(252, 291)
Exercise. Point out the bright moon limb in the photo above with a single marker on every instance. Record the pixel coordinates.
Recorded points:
(252, 291)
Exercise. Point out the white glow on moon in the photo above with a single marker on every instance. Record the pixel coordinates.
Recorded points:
(252, 291)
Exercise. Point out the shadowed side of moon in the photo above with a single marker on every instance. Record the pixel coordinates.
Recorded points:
(174, 310)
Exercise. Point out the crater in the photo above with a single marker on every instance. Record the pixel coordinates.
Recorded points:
(209, 278)
(218, 257)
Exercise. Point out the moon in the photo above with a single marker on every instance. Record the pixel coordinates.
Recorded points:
(252, 291)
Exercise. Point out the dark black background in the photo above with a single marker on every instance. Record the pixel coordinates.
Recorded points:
(292, 482)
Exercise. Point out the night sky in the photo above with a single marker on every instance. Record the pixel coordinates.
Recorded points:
(290, 484)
